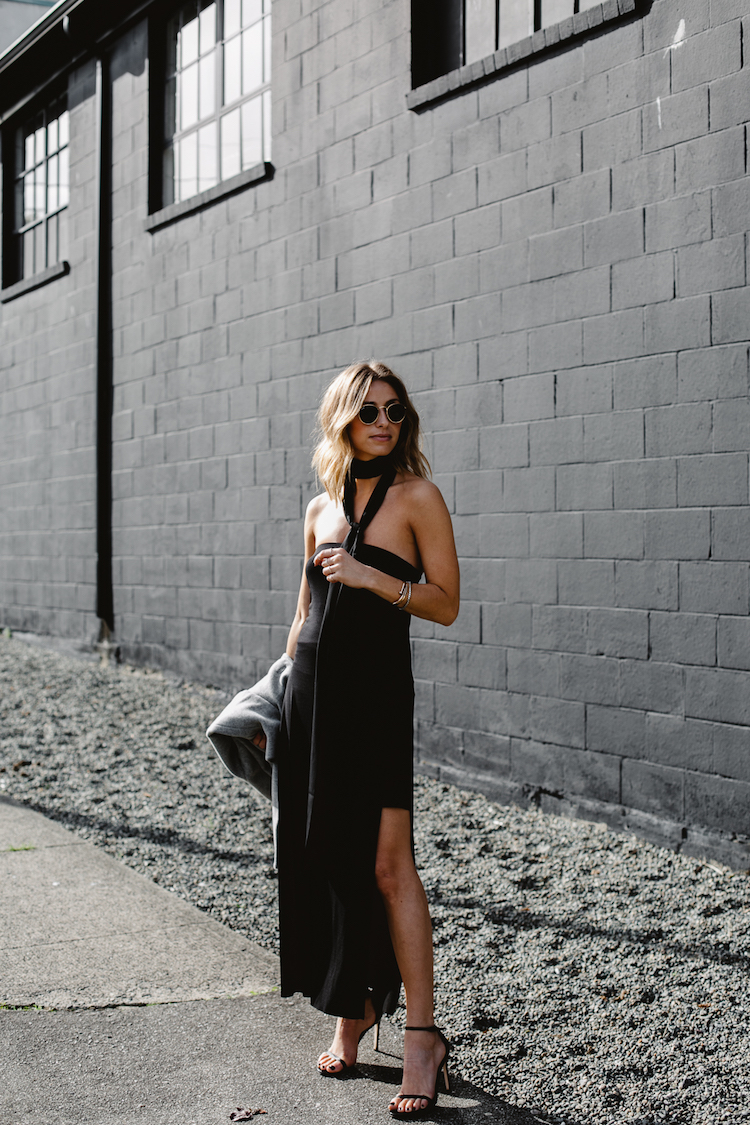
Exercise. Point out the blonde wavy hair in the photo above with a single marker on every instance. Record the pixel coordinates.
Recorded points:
(344, 398)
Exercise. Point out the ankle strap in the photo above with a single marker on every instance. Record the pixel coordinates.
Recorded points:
(433, 1028)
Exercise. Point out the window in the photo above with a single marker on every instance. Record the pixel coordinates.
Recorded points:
(41, 187)
(448, 34)
(218, 99)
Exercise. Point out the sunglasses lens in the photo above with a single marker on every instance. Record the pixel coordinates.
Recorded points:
(395, 412)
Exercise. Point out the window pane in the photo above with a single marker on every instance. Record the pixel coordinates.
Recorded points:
(232, 70)
(207, 157)
(516, 21)
(28, 158)
(52, 184)
(62, 236)
(555, 10)
(39, 248)
(189, 43)
(480, 29)
(187, 165)
(170, 108)
(252, 10)
(231, 164)
(52, 241)
(63, 127)
(39, 145)
(267, 125)
(208, 29)
(231, 17)
(267, 49)
(252, 134)
(41, 192)
(29, 198)
(63, 179)
(208, 85)
(28, 253)
(188, 95)
(52, 142)
(252, 58)
(168, 175)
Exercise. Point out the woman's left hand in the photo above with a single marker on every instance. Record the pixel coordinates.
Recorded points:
(339, 566)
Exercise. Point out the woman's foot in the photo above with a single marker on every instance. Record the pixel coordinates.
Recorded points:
(424, 1054)
(342, 1053)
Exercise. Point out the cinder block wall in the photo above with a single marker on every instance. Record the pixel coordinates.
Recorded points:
(47, 418)
(556, 262)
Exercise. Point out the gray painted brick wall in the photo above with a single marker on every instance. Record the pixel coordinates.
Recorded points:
(47, 419)
(556, 262)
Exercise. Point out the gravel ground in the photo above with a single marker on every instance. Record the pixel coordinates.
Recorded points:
(589, 977)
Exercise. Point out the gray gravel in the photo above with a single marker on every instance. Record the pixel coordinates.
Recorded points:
(586, 976)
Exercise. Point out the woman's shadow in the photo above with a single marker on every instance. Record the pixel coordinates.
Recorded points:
(466, 1104)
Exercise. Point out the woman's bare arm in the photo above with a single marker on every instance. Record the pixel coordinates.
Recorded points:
(303, 601)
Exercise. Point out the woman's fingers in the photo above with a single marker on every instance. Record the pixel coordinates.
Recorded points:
(339, 566)
(323, 558)
(260, 740)
(330, 562)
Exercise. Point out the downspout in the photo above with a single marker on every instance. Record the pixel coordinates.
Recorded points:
(104, 359)
(103, 343)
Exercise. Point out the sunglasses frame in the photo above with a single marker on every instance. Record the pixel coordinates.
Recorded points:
(371, 406)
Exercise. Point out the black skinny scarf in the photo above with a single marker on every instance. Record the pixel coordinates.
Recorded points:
(335, 590)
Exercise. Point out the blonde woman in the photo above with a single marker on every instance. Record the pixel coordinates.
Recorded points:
(353, 913)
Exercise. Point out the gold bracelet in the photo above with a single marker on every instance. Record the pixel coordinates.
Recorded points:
(404, 597)
(401, 596)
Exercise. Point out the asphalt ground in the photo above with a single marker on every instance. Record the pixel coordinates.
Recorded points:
(120, 1001)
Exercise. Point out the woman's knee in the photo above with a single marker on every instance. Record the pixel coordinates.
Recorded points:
(393, 873)
(394, 862)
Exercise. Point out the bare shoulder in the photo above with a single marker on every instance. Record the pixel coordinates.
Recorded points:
(422, 493)
(316, 506)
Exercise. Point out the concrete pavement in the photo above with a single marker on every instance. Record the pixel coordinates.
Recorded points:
(122, 1002)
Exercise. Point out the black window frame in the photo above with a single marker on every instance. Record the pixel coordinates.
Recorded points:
(438, 66)
(161, 207)
(12, 268)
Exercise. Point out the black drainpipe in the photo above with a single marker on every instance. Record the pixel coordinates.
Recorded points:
(104, 373)
(104, 365)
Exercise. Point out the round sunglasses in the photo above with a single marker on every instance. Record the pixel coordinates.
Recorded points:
(395, 412)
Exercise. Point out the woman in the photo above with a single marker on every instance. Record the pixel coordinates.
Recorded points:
(353, 914)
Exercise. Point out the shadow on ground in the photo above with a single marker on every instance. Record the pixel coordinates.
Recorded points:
(194, 1063)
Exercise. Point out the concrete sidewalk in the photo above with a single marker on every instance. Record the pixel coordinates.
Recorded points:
(123, 1002)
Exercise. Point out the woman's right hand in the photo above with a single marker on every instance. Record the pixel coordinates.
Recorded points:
(259, 740)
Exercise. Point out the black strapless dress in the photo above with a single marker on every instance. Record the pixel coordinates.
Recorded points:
(333, 783)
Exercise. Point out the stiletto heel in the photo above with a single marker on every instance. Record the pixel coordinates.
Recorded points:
(408, 1114)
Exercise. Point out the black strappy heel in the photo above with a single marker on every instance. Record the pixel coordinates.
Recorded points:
(350, 1066)
(407, 1114)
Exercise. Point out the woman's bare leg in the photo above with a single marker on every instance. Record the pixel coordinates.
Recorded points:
(411, 933)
